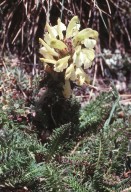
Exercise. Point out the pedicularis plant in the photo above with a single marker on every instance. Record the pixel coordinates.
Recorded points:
(68, 54)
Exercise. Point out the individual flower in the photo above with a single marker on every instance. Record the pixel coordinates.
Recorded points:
(70, 53)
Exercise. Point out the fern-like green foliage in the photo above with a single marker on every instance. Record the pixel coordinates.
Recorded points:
(17, 152)
(93, 116)
(86, 155)
(58, 137)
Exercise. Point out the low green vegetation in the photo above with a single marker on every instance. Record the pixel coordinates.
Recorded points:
(92, 154)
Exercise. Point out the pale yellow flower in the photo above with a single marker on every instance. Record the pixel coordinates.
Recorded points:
(54, 32)
(81, 76)
(70, 73)
(57, 44)
(69, 53)
(85, 34)
(61, 64)
(43, 51)
(60, 28)
(48, 49)
(73, 27)
(89, 43)
(51, 61)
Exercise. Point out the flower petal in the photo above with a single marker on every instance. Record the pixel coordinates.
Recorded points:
(50, 50)
(45, 53)
(73, 27)
(70, 73)
(57, 44)
(51, 61)
(67, 89)
(84, 34)
(53, 33)
(61, 27)
(79, 60)
(61, 64)
(89, 53)
(89, 56)
(47, 38)
(82, 77)
(89, 43)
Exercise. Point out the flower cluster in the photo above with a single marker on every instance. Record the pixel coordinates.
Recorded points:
(70, 53)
